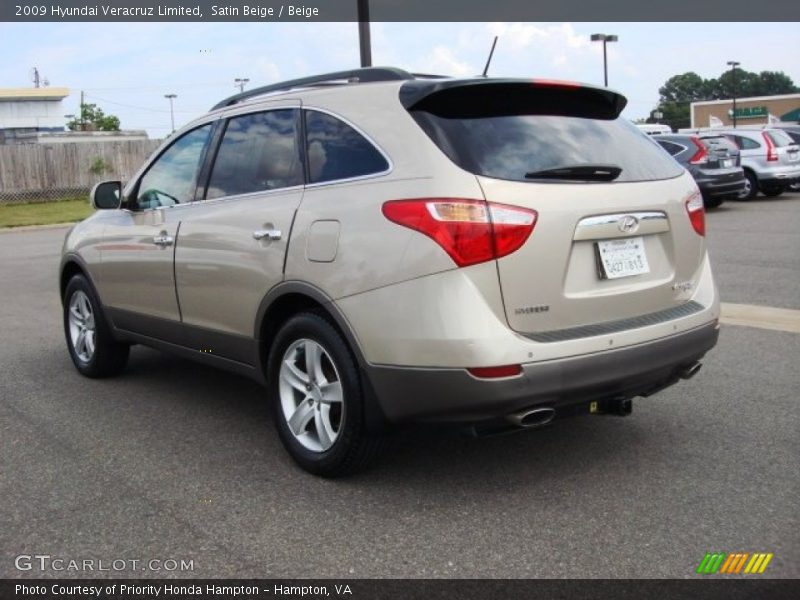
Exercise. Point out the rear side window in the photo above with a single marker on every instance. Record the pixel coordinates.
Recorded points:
(258, 152)
(671, 147)
(337, 151)
(746, 143)
(513, 131)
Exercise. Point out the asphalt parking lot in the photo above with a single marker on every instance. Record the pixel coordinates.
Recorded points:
(173, 460)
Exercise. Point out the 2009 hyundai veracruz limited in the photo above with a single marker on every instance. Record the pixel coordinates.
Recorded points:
(381, 248)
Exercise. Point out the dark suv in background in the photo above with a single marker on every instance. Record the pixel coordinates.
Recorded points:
(713, 161)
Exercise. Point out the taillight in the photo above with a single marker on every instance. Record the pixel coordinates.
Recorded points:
(495, 372)
(697, 214)
(700, 157)
(772, 153)
(470, 231)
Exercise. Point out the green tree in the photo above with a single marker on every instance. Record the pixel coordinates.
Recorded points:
(93, 119)
(679, 91)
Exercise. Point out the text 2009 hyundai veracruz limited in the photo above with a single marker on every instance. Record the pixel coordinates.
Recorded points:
(399, 248)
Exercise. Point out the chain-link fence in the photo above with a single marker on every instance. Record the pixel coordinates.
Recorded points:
(46, 195)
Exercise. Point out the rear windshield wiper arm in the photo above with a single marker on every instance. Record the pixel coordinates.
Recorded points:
(578, 172)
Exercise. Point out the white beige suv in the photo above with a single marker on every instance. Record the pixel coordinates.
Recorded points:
(380, 248)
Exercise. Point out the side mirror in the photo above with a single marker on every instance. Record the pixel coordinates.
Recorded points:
(106, 195)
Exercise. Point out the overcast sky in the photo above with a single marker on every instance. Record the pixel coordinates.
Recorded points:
(126, 68)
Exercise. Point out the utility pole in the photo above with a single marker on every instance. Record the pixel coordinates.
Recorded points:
(733, 64)
(35, 77)
(83, 128)
(240, 83)
(364, 42)
(171, 97)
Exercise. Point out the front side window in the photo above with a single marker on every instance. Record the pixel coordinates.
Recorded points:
(258, 152)
(171, 179)
(337, 151)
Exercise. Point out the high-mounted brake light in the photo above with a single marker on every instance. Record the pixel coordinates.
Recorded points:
(772, 153)
(470, 231)
(556, 83)
(697, 214)
(701, 156)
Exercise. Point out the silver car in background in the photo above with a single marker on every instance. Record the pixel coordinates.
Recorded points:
(770, 159)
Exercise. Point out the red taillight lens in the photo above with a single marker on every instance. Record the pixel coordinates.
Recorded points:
(470, 231)
(772, 153)
(495, 372)
(697, 214)
(701, 156)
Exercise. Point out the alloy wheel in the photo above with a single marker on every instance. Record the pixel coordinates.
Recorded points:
(311, 395)
(82, 329)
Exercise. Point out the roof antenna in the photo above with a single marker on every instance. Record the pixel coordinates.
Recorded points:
(489, 60)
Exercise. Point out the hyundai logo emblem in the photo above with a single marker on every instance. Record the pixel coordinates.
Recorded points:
(628, 224)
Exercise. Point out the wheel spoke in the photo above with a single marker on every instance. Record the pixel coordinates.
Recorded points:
(76, 314)
(313, 352)
(86, 309)
(89, 343)
(325, 433)
(294, 376)
(80, 343)
(300, 417)
(331, 392)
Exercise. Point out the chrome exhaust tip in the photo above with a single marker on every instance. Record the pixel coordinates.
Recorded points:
(532, 417)
(690, 372)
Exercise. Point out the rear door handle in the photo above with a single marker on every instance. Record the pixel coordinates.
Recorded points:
(163, 239)
(270, 234)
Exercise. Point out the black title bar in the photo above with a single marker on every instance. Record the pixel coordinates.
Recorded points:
(398, 10)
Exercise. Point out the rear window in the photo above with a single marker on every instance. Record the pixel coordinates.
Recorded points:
(509, 146)
(719, 142)
(779, 138)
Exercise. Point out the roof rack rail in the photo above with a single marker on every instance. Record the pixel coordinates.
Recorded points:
(364, 75)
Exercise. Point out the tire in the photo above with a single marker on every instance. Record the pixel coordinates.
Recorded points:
(320, 424)
(714, 202)
(750, 187)
(772, 191)
(91, 344)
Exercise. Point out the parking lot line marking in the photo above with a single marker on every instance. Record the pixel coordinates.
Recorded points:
(763, 317)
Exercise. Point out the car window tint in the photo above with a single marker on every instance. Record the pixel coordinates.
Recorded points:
(172, 177)
(746, 143)
(673, 149)
(337, 151)
(509, 146)
(258, 152)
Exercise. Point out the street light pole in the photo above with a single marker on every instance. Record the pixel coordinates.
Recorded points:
(171, 97)
(364, 43)
(240, 83)
(733, 64)
(605, 38)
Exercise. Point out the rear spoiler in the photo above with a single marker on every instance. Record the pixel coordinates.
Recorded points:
(474, 98)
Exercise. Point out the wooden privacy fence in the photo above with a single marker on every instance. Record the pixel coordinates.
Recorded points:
(42, 172)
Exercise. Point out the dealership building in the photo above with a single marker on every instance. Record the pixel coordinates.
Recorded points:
(759, 110)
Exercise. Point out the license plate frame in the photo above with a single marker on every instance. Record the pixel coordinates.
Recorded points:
(621, 257)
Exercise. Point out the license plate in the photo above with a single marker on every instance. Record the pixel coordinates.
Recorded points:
(622, 258)
(726, 162)
(793, 156)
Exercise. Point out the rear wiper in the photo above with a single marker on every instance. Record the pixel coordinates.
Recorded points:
(578, 172)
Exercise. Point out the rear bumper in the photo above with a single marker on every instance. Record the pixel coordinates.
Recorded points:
(726, 185)
(418, 394)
